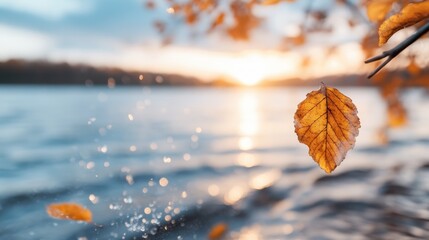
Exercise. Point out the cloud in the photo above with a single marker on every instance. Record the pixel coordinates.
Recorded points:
(21, 43)
(50, 9)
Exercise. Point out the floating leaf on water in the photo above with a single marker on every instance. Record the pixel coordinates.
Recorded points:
(218, 231)
(69, 211)
(327, 122)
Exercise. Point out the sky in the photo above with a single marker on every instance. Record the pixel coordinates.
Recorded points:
(117, 33)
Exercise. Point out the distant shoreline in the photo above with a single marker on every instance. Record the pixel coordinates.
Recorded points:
(21, 72)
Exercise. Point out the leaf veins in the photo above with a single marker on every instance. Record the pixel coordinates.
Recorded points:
(327, 122)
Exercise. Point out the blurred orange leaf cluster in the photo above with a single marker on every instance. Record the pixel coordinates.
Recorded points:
(327, 122)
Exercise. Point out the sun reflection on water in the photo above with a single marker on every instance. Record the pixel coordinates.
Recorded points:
(249, 114)
(249, 120)
(247, 160)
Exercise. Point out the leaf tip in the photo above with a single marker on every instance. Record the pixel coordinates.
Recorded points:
(323, 87)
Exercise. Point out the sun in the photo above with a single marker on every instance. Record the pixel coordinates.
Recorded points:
(249, 70)
(248, 77)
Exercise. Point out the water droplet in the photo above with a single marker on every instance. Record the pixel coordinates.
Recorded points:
(176, 210)
(133, 148)
(213, 190)
(186, 156)
(115, 206)
(129, 179)
(167, 160)
(90, 165)
(163, 182)
(153, 146)
(151, 183)
(103, 149)
(128, 200)
(94, 199)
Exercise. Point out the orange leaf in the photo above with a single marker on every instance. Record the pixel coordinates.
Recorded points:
(270, 2)
(218, 21)
(413, 67)
(218, 231)
(409, 15)
(299, 40)
(273, 2)
(378, 9)
(327, 122)
(70, 211)
(396, 114)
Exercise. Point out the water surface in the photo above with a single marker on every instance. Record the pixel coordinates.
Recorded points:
(169, 163)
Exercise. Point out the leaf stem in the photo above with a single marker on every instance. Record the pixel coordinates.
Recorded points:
(392, 53)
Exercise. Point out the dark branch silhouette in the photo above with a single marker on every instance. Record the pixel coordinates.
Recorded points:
(392, 53)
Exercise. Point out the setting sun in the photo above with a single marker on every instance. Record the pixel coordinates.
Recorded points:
(251, 69)
(248, 78)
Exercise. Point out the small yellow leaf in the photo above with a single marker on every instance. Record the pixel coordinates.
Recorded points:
(218, 231)
(409, 15)
(327, 122)
(70, 211)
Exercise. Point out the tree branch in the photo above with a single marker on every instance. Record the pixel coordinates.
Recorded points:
(392, 53)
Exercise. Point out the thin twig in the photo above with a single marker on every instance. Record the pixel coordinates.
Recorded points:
(392, 53)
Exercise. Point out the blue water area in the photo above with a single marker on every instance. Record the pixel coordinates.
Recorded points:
(170, 163)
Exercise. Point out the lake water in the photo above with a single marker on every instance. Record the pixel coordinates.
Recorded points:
(170, 163)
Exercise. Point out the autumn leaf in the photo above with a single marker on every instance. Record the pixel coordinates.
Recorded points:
(413, 68)
(217, 231)
(69, 211)
(409, 15)
(299, 40)
(272, 2)
(218, 21)
(327, 122)
(378, 9)
(396, 113)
